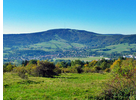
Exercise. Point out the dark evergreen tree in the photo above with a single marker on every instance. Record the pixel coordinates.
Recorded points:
(33, 62)
(25, 62)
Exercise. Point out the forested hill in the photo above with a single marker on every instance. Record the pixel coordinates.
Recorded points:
(57, 43)
(69, 36)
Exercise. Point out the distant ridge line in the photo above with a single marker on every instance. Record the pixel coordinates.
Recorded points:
(67, 29)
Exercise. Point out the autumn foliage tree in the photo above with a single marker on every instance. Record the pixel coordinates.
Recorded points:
(122, 85)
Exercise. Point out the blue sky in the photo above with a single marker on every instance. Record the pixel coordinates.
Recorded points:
(100, 16)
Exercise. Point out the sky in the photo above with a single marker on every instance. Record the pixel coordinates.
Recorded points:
(100, 16)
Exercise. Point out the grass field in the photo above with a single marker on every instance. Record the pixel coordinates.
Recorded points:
(117, 48)
(70, 86)
(54, 44)
(82, 59)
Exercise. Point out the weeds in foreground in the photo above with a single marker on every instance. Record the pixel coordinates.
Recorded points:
(123, 83)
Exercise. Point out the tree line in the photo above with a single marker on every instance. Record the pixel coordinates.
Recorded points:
(49, 69)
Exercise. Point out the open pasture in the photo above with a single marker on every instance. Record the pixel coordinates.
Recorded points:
(70, 86)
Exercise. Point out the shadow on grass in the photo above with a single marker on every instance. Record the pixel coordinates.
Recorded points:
(29, 82)
(67, 77)
(6, 85)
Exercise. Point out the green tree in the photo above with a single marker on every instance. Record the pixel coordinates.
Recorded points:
(92, 63)
(103, 65)
(25, 62)
(9, 67)
(79, 62)
(33, 62)
(96, 69)
(78, 68)
(63, 64)
(4, 67)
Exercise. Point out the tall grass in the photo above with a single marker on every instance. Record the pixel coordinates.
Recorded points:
(70, 86)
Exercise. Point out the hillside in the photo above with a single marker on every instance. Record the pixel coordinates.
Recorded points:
(63, 43)
(69, 35)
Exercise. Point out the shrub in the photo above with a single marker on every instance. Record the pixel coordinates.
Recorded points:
(118, 89)
(107, 70)
(8, 67)
(45, 69)
(30, 68)
(66, 70)
(33, 71)
(103, 65)
(122, 85)
(92, 63)
(125, 68)
(128, 68)
(85, 65)
(39, 68)
(116, 63)
(96, 69)
(33, 62)
(76, 69)
(86, 69)
(24, 63)
(22, 72)
(4, 67)
(57, 70)
(79, 69)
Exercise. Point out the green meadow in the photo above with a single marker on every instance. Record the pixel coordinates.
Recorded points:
(82, 59)
(118, 48)
(69, 86)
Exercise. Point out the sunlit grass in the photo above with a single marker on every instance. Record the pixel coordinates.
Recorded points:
(66, 86)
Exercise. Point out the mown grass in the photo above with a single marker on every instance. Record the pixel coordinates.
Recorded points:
(70, 86)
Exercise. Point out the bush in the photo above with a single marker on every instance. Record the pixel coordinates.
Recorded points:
(8, 67)
(122, 85)
(92, 63)
(4, 67)
(96, 69)
(89, 69)
(76, 69)
(30, 68)
(107, 70)
(22, 72)
(125, 68)
(86, 69)
(33, 62)
(79, 69)
(118, 89)
(37, 68)
(57, 70)
(65, 70)
(45, 69)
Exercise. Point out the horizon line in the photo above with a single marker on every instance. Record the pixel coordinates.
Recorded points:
(67, 29)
